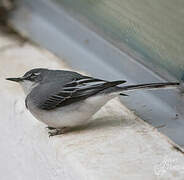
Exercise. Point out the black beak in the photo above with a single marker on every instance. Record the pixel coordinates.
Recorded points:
(15, 79)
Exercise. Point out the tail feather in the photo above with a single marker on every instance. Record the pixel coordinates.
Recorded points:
(150, 86)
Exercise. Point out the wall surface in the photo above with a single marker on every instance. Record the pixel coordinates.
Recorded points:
(116, 145)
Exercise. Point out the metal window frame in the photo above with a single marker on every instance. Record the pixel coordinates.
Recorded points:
(54, 28)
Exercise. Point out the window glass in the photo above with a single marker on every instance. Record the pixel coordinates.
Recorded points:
(151, 30)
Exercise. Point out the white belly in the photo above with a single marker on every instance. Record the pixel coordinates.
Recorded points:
(71, 115)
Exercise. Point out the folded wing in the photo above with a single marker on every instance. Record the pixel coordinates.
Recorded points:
(76, 91)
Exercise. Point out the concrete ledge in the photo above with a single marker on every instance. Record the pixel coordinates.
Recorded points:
(116, 145)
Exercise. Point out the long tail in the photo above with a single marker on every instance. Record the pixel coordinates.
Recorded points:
(150, 86)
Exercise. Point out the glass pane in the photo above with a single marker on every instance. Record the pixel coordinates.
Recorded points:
(150, 30)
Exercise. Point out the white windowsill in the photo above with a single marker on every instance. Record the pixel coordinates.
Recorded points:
(116, 145)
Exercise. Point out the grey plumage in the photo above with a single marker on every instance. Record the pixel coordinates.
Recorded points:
(63, 99)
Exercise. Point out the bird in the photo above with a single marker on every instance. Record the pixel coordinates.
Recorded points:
(64, 99)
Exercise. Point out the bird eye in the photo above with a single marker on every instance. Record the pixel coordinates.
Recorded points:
(32, 76)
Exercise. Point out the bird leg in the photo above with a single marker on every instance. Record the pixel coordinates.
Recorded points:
(58, 131)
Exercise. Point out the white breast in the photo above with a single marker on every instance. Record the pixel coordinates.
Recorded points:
(72, 115)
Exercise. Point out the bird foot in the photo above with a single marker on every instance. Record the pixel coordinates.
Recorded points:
(57, 131)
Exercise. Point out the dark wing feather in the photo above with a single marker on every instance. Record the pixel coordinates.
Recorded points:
(75, 91)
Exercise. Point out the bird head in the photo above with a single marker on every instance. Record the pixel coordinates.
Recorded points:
(30, 79)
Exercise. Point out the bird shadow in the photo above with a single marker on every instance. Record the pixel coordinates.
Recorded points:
(101, 123)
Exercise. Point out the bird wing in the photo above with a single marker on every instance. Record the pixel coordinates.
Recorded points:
(75, 91)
